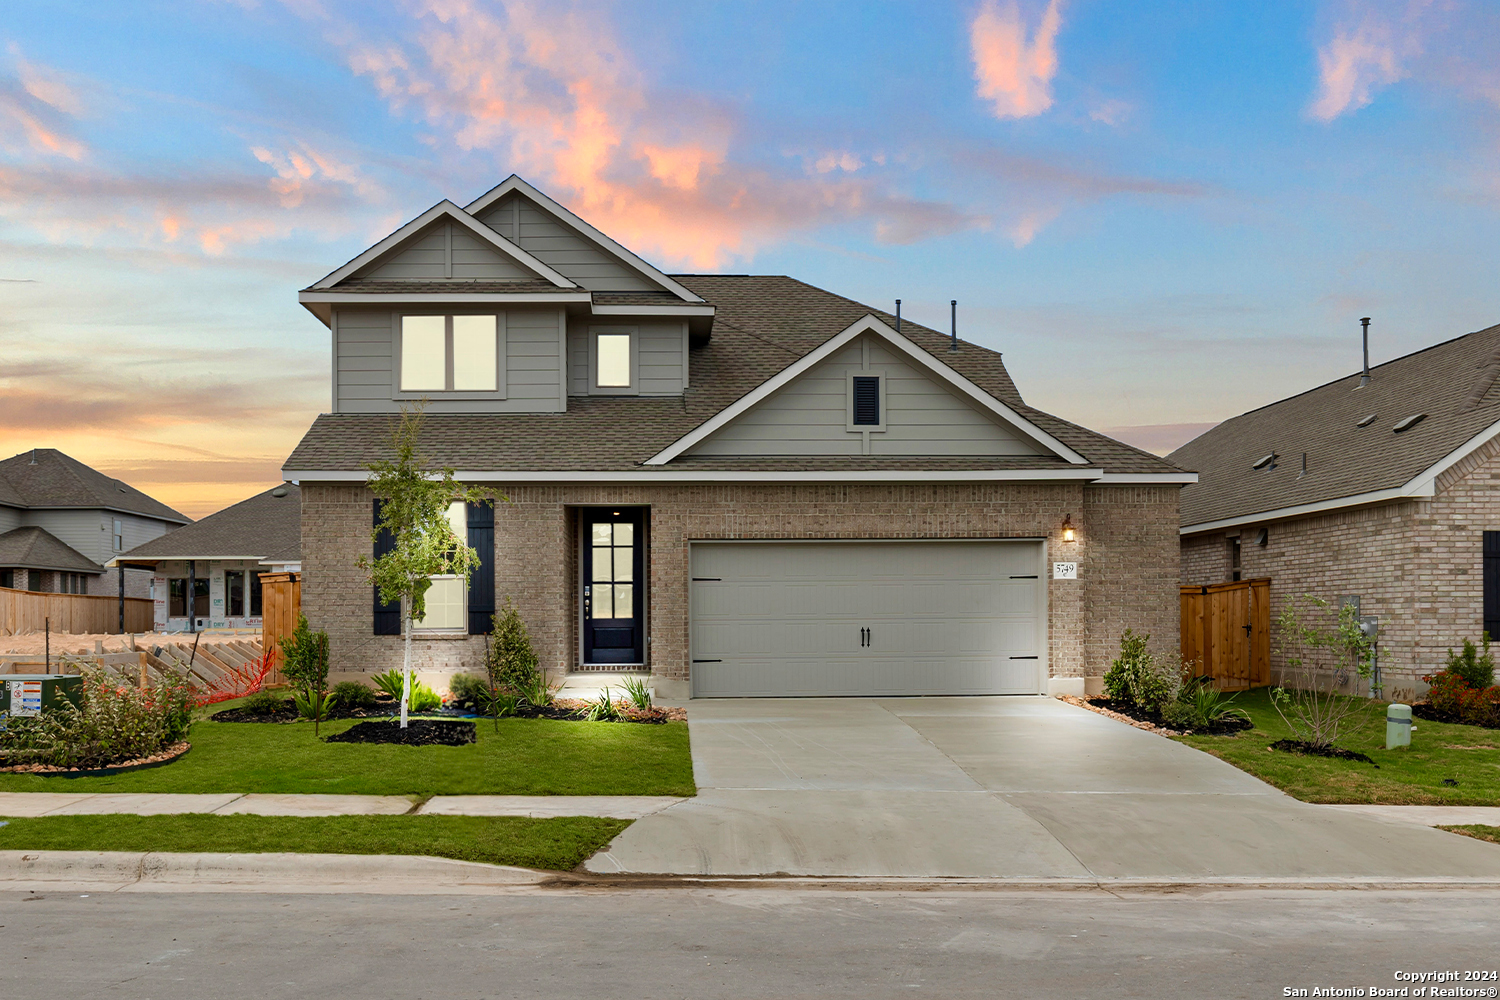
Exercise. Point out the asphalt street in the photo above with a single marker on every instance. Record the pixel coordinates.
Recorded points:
(736, 943)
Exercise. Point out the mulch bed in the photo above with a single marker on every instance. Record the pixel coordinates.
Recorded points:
(165, 756)
(1424, 711)
(1124, 711)
(564, 710)
(418, 733)
(1309, 750)
(288, 713)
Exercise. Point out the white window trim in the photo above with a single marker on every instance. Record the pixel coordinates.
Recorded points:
(849, 377)
(634, 388)
(399, 393)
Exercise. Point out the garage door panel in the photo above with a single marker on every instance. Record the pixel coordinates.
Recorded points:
(785, 619)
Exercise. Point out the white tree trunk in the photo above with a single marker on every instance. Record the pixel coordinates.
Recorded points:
(406, 662)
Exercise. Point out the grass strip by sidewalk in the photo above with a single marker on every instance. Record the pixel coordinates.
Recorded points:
(559, 844)
(525, 757)
(1477, 831)
(1415, 775)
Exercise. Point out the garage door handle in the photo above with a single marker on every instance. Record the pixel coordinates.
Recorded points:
(708, 579)
(1023, 657)
(1030, 577)
(708, 661)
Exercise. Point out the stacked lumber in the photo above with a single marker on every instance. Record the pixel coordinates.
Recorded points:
(210, 667)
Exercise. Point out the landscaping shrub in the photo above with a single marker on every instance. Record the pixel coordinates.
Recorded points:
(1322, 652)
(389, 683)
(353, 694)
(304, 661)
(1199, 705)
(113, 723)
(470, 690)
(510, 661)
(603, 710)
(1141, 679)
(638, 690)
(1455, 700)
(1476, 668)
(264, 703)
(423, 698)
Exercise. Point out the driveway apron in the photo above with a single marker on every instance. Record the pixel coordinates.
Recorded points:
(997, 788)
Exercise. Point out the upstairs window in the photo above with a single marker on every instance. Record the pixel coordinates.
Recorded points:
(119, 536)
(613, 361)
(450, 354)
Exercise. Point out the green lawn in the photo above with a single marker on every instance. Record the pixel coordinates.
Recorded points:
(559, 844)
(1490, 833)
(1411, 776)
(526, 757)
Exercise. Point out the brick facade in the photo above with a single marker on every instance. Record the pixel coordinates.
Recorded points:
(1416, 564)
(1126, 547)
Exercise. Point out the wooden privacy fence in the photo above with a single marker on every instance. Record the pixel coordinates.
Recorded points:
(29, 611)
(1226, 632)
(280, 604)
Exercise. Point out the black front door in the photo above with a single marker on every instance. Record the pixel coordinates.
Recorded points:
(611, 577)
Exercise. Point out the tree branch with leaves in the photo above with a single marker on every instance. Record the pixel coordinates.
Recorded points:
(415, 499)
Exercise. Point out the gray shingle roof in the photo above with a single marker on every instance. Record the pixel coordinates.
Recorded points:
(265, 526)
(55, 480)
(1456, 383)
(763, 324)
(36, 548)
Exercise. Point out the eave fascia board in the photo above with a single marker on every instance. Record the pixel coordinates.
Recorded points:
(384, 298)
(23, 564)
(1306, 509)
(515, 183)
(868, 324)
(1071, 474)
(1427, 478)
(444, 209)
(686, 309)
(1146, 478)
(129, 560)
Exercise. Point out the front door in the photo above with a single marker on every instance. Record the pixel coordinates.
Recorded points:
(611, 578)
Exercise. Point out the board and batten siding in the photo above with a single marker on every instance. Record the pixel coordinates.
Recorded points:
(445, 250)
(562, 248)
(810, 415)
(661, 352)
(364, 346)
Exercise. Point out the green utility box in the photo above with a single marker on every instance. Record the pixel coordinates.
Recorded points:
(32, 694)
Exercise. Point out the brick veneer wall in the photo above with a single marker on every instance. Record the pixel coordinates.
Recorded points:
(1126, 548)
(1416, 564)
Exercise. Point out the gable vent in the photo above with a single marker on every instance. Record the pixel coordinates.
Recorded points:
(1367, 421)
(1269, 462)
(867, 400)
(1409, 422)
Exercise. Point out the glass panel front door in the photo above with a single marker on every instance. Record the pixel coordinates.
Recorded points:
(613, 555)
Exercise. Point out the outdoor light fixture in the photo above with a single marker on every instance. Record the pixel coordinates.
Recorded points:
(1067, 528)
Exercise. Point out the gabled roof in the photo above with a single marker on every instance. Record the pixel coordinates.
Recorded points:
(267, 527)
(36, 548)
(443, 209)
(46, 478)
(765, 323)
(516, 184)
(1456, 384)
(868, 324)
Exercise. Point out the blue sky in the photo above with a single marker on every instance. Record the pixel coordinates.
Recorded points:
(1163, 214)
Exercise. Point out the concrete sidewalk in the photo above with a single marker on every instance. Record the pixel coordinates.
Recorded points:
(33, 804)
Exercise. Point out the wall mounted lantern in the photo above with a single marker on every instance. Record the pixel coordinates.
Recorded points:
(1068, 534)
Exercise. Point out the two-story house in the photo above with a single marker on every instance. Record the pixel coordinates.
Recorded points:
(745, 484)
(61, 521)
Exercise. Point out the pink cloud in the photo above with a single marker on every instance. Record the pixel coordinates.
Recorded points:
(552, 95)
(1353, 65)
(1014, 74)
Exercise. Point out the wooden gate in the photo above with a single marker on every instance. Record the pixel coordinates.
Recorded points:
(280, 604)
(1226, 632)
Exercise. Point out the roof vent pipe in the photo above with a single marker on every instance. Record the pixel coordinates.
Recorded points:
(898, 315)
(33, 456)
(1364, 323)
(953, 321)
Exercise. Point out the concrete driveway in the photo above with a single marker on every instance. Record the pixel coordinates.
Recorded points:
(997, 787)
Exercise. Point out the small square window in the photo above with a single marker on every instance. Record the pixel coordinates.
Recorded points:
(612, 361)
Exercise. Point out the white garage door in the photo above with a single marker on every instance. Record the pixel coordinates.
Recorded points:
(809, 619)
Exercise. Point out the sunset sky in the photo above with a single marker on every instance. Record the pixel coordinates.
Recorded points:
(1163, 214)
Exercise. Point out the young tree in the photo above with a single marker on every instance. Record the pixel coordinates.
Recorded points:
(414, 510)
(1322, 652)
(509, 660)
(304, 661)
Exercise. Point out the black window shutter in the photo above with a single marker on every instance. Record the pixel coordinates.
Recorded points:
(387, 616)
(1492, 583)
(867, 400)
(482, 581)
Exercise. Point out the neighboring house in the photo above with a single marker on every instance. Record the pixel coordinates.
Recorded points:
(61, 521)
(1385, 492)
(219, 559)
(747, 485)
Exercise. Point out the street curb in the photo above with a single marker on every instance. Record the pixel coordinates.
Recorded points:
(115, 871)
